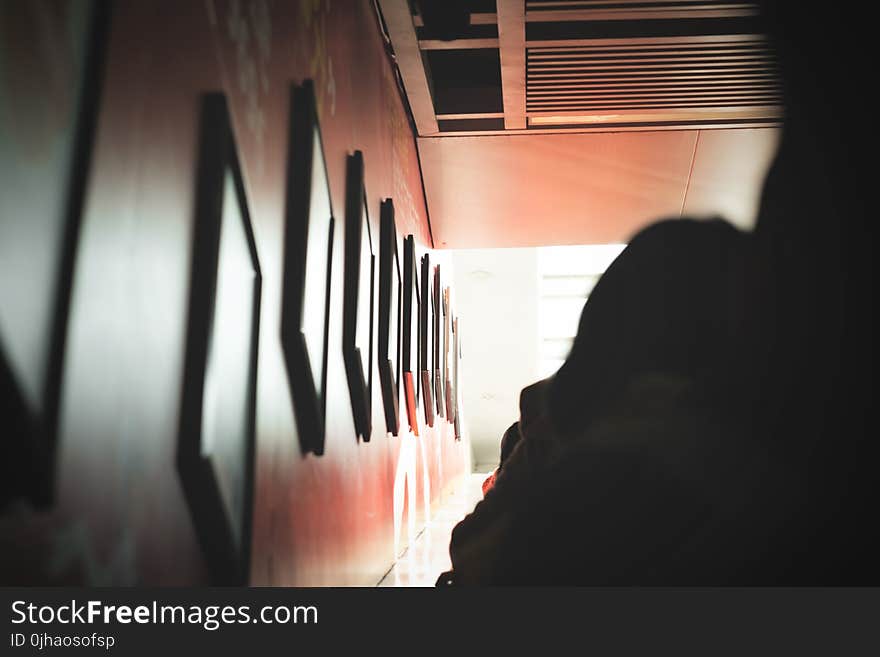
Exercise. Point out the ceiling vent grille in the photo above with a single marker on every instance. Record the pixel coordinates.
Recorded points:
(654, 76)
(636, 10)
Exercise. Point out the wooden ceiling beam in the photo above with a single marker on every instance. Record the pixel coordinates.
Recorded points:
(629, 42)
(731, 10)
(471, 115)
(457, 44)
(476, 18)
(399, 22)
(512, 47)
(639, 14)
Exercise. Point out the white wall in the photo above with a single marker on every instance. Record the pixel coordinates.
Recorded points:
(496, 298)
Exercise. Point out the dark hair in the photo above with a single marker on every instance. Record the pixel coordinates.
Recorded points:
(671, 302)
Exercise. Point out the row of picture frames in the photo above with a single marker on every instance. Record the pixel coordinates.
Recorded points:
(419, 337)
(416, 349)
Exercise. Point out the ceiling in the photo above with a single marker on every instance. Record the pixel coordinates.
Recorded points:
(578, 121)
(590, 188)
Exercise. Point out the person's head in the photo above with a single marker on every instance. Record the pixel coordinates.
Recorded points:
(670, 303)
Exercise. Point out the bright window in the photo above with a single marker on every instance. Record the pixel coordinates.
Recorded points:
(566, 276)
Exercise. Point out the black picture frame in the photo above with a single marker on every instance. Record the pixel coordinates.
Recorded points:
(425, 340)
(308, 265)
(439, 388)
(31, 427)
(456, 362)
(448, 345)
(389, 317)
(410, 305)
(410, 327)
(358, 304)
(216, 468)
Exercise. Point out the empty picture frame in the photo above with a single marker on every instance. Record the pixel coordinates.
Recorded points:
(410, 327)
(308, 246)
(438, 343)
(389, 317)
(410, 306)
(425, 341)
(456, 361)
(447, 355)
(215, 454)
(409, 390)
(357, 314)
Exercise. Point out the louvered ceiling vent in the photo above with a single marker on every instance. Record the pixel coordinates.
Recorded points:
(649, 81)
(557, 65)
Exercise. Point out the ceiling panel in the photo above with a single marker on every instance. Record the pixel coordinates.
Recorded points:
(530, 190)
(588, 188)
(728, 173)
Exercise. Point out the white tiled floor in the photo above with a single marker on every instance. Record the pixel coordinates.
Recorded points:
(428, 556)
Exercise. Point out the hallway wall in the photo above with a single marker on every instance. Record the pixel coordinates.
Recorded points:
(119, 516)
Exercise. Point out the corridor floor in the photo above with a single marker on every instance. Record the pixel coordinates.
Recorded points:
(428, 556)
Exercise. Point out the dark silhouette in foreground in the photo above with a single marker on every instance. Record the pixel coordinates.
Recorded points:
(752, 466)
(661, 319)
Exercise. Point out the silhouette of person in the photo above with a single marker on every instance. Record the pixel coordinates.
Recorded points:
(761, 472)
(665, 314)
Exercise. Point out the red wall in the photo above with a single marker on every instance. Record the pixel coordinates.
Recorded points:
(120, 517)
